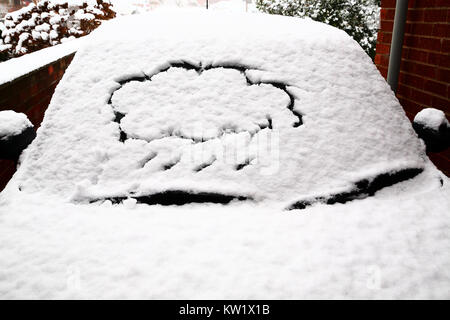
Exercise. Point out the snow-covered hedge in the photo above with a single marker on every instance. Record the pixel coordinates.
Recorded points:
(50, 22)
(359, 18)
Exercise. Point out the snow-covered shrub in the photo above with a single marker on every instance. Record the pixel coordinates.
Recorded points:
(50, 22)
(3, 47)
(359, 18)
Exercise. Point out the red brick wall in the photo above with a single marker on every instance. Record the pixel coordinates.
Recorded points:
(425, 70)
(30, 94)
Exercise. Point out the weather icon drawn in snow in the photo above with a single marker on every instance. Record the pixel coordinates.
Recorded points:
(191, 129)
(179, 103)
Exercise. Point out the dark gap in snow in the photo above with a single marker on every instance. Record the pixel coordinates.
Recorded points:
(278, 85)
(134, 78)
(269, 120)
(237, 67)
(185, 65)
(170, 164)
(267, 125)
(123, 136)
(194, 140)
(290, 106)
(180, 197)
(118, 116)
(205, 165)
(300, 120)
(362, 189)
(249, 82)
(241, 166)
(283, 87)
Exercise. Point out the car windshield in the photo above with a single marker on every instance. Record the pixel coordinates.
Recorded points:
(301, 116)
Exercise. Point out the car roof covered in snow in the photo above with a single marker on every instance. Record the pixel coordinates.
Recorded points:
(268, 109)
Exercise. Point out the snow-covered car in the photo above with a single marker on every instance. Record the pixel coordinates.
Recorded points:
(188, 154)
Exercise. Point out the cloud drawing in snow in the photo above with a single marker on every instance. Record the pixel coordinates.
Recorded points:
(200, 104)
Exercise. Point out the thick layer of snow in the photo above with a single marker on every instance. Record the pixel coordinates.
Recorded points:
(54, 244)
(431, 118)
(353, 127)
(17, 67)
(12, 123)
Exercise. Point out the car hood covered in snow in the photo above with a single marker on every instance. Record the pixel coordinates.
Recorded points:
(269, 114)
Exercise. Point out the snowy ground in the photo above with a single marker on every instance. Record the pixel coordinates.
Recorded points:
(338, 126)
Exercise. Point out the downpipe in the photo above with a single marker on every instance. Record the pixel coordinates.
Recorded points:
(398, 33)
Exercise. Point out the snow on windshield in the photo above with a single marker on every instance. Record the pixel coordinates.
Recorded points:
(269, 108)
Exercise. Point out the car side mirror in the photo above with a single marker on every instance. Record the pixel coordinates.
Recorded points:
(16, 133)
(433, 128)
